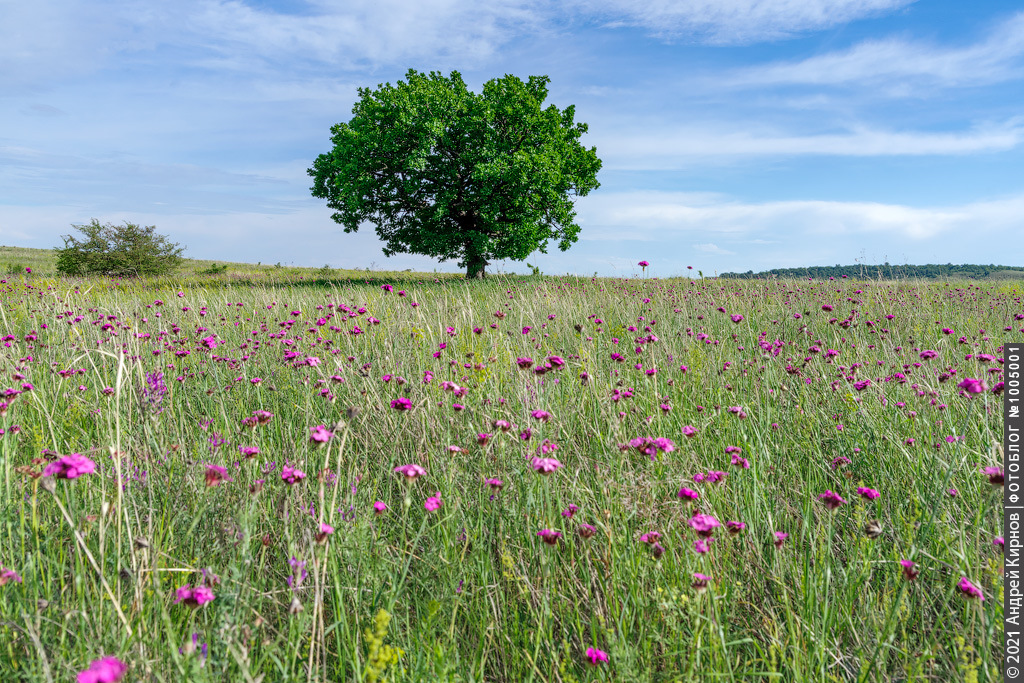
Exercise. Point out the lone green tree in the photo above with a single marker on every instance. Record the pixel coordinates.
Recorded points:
(448, 173)
(127, 250)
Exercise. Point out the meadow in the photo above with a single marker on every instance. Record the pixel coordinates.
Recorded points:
(410, 478)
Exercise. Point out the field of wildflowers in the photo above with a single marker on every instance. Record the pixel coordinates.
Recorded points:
(520, 479)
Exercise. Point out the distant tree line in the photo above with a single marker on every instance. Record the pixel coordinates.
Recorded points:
(886, 271)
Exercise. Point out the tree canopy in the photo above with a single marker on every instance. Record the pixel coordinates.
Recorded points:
(448, 173)
(118, 250)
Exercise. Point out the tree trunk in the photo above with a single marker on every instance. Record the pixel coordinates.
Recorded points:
(475, 267)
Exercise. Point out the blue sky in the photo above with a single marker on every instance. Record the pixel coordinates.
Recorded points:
(735, 134)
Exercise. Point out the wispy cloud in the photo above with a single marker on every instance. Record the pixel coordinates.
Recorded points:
(899, 63)
(677, 148)
(730, 22)
(663, 216)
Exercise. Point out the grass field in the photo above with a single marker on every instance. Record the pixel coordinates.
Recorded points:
(626, 480)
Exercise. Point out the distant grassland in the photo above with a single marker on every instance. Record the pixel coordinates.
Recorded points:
(43, 262)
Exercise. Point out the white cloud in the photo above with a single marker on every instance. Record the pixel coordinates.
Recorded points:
(676, 148)
(725, 22)
(896, 62)
(664, 216)
(712, 248)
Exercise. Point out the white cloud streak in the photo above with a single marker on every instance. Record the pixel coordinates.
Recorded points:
(661, 216)
(730, 22)
(671, 149)
(896, 62)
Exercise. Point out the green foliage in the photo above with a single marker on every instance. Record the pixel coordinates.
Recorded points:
(127, 250)
(214, 269)
(449, 173)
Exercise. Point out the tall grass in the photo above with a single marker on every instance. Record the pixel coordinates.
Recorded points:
(469, 591)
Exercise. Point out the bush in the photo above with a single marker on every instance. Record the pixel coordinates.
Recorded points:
(125, 250)
(215, 269)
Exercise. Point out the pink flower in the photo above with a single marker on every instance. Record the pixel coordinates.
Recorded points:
(216, 475)
(973, 386)
(401, 403)
(995, 475)
(866, 493)
(325, 531)
(780, 538)
(194, 597)
(643, 264)
(105, 670)
(737, 318)
(319, 434)
(701, 545)
(700, 582)
(969, 589)
(379, 507)
(593, 654)
(831, 500)
(545, 465)
(909, 573)
(704, 525)
(549, 536)
(688, 494)
(689, 431)
(735, 527)
(433, 502)
(650, 537)
(70, 467)
(495, 484)
(291, 475)
(411, 471)
(541, 415)
(8, 576)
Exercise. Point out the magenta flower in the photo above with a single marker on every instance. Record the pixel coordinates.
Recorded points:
(973, 386)
(292, 475)
(401, 403)
(319, 434)
(689, 431)
(433, 502)
(866, 493)
(549, 536)
(541, 415)
(8, 576)
(70, 467)
(909, 573)
(650, 537)
(831, 500)
(379, 507)
(735, 527)
(194, 597)
(643, 264)
(995, 475)
(737, 318)
(105, 670)
(545, 465)
(411, 471)
(688, 494)
(216, 475)
(571, 510)
(700, 582)
(704, 525)
(702, 545)
(495, 484)
(997, 542)
(586, 531)
(593, 654)
(969, 589)
(928, 354)
(780, 538)
(325, 531)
